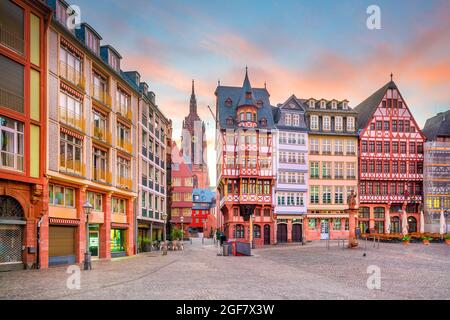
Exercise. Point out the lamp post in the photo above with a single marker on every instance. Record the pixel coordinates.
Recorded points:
(446, 214)
(164, 216)
(87, 207)
(182, 229)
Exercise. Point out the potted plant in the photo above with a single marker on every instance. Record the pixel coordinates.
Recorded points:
(447, 238)
(406, 239)
(146, 244)
(176, 234)
(426, 240)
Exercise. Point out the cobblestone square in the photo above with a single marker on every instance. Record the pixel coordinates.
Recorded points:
(281, 272)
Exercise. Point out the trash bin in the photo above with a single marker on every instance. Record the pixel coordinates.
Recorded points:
(226, 249)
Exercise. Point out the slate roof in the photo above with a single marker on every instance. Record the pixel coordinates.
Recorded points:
(285, 108)
(235, 94)
(439, 125)
(366, 108)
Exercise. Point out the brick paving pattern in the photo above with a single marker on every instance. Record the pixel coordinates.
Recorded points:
(282, 272)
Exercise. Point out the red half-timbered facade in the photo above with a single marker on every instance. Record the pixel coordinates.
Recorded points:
(390, 162)
(245, 175)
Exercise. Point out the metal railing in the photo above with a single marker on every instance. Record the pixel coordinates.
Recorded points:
(101, 95)
(102, 175)
(72, 166)
(125, 182)
(102, 134)
(71, 118)
(71, 74)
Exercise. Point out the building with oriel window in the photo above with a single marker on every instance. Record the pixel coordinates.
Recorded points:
(333, 166)
(291, 167)
(23, 89)
(390, 162)
(245, 175)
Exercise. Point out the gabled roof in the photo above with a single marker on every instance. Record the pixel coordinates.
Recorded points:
(367, 108)
(439, 125)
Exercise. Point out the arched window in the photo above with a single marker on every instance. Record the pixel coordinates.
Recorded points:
(257, 231)
(395, 225)
(412, 224)
(239, 231)
(264, 122)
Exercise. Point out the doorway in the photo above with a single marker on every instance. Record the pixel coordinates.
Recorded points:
(297, 232)
(266, 234)
(324, 229)
(282, 233)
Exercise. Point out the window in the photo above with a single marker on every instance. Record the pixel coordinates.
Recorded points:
(61, 196)
(326, 194)
(123, 103)
(351, 170)
(337, 224)
(70, 110)
(70, 153)
(371, 146)
(114, 61)
(412, 147)
(386, 125)
(123, 172)
(123, 137)
(326, 123)
(372, 126)
(338, 147)
(312, 224)
(314, 194)
(403, 147)
(379, 125)
(338, 195)
(379, 147)
(95, 199)
(92, 41)
(326, 170)
(364, 166)
(350, 124)
(400, 125)
(118, 206)
(387, 148)
(314, 146)
(100, 160)
(334, 105)
(326, 146)
(287, 119)
(394, 125)
(395, 147)
(11, 144)
(70, 66)
(296, 120)
(266, 187)
(338, 123)
(239, 231)
(12, 18)
(323, 105)
(364, 146)
(312, 104)
(314, 122)
(314, 168)
(100, 126)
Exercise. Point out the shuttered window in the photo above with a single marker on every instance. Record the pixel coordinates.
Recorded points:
(61, 241)
(11, 26)
(11, 84)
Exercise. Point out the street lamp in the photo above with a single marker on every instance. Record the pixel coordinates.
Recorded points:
(87, 208)
(164, 217)
(182, 229)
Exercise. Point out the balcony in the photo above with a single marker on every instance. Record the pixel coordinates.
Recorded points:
(102, 135)
(11, 40)
(11, 100)
(125, 113)
(73, 167)
(123, 182)
(71, 74)
(101, 175)
(71, 118)
(125, 145)
(101, 95)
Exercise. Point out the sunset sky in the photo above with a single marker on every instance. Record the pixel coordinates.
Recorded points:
(319, 49)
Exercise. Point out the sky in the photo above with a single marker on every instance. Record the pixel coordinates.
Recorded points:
(319, 49)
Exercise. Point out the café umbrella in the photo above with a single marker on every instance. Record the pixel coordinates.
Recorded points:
(442, 223)
(404, 223)
(388, 222)
(422, 222)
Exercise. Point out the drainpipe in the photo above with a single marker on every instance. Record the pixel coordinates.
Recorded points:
(38, 257)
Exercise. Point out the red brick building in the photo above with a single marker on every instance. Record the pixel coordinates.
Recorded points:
(390, 162)
(23, 190)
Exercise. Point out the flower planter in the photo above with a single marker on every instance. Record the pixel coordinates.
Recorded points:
(447, 241)
(426, 242)
(405, 242)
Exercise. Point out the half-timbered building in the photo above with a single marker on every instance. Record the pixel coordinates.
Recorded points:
(245, 176)
(390, 162)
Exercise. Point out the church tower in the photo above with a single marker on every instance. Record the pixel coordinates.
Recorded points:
(193, 144)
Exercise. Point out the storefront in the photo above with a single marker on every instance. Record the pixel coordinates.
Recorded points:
(61, 241)
(117, 243)
(94, 240)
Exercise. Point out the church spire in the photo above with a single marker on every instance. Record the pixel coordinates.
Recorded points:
(193, 102)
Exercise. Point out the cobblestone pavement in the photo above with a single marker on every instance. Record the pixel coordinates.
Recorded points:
(281, 272)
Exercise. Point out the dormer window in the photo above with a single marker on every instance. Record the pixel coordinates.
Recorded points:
(230, 121)
(264, 122)
(61, 13)
(242, 116)
(312, 104)
(248, 95)
(288, 119)
(345, 105)
(228, 102)
(334, 105)
(260, 103)
(114, 62)
(323, 104)
(92, 42)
